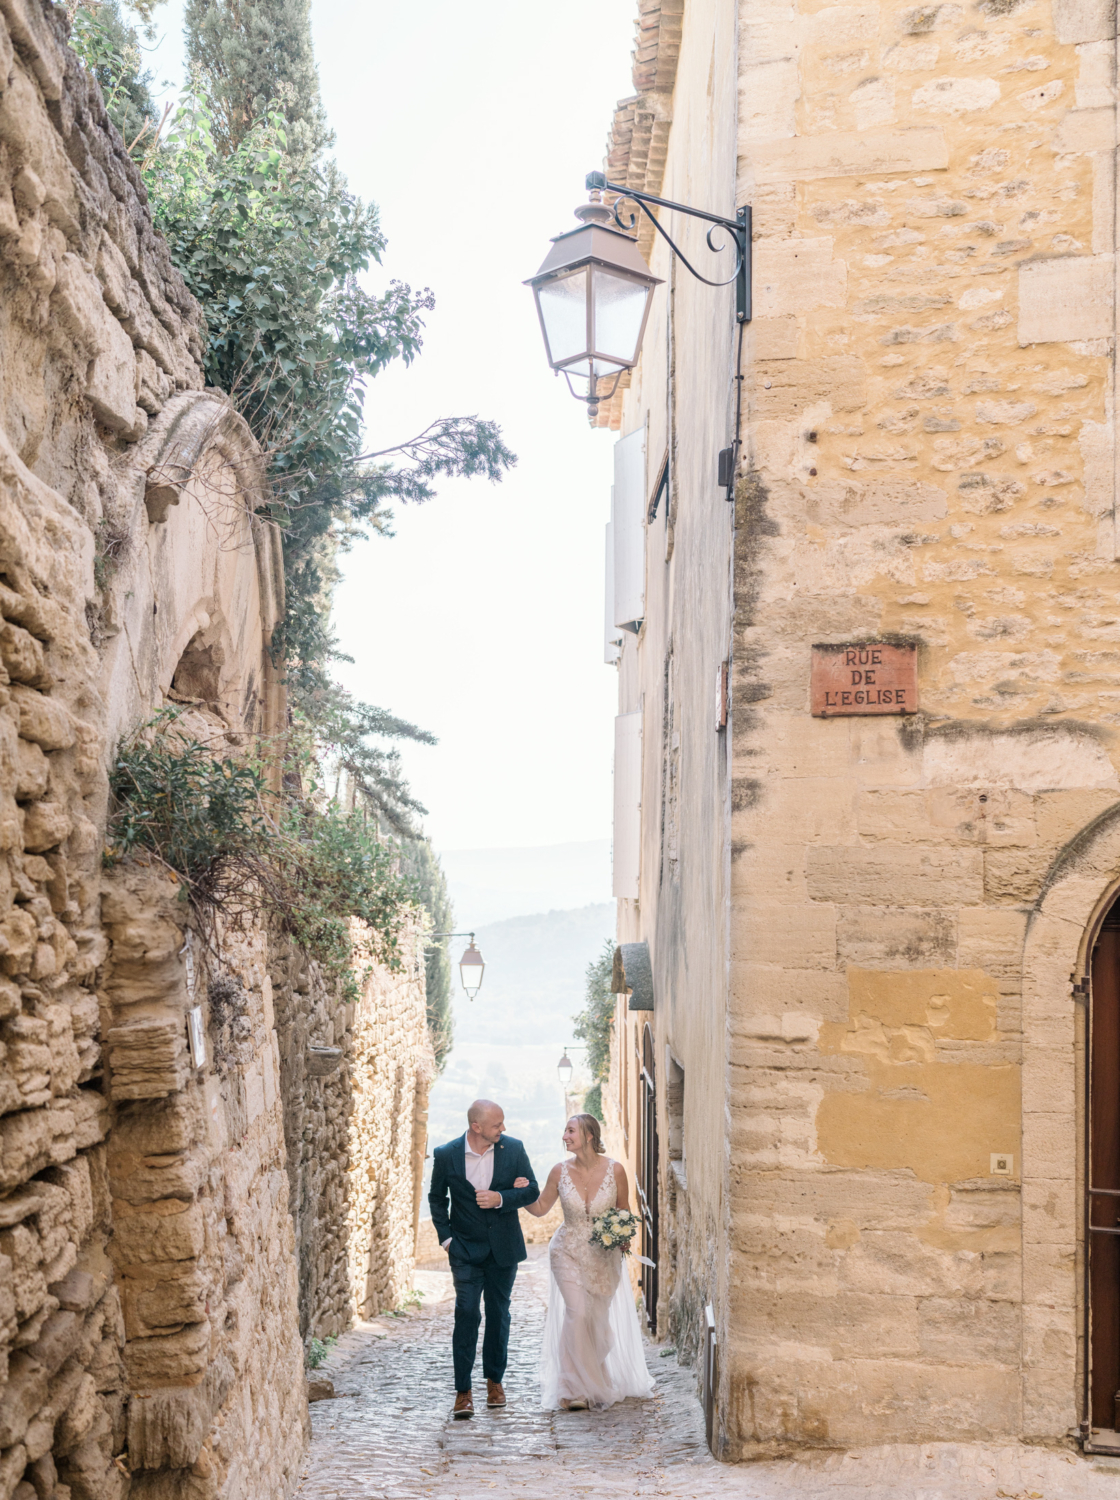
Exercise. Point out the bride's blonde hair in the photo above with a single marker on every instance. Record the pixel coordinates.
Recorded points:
(590, 1127)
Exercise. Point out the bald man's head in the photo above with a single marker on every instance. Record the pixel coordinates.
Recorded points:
(486, 1121)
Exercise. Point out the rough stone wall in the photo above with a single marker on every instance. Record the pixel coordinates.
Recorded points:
(149, 1327)
(928, 459)
(91, 316)
(355, 1081)
(202, 1240)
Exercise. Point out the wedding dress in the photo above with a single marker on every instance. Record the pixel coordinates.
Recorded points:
(592, 1348)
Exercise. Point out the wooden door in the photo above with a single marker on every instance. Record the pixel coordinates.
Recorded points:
(647, 1175)
(1103, 1209)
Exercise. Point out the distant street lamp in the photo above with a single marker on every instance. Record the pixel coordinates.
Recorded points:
(471, 969)
(471, 965)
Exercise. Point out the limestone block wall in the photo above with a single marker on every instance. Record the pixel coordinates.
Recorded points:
(930, 461)
(355, 1080)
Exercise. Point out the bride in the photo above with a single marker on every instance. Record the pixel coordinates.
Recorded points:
(592, 1351)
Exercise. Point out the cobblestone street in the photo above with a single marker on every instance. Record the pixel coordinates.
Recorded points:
(386, 1435)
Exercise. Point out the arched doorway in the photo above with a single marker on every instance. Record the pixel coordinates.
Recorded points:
(1071, 990)
(1102, 1209)
(647, 1175)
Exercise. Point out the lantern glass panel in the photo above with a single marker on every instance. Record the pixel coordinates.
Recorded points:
(619, 311)
(471, 969)
(563, 305)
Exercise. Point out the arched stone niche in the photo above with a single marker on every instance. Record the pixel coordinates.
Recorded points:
(1080, 887)
(198, 586)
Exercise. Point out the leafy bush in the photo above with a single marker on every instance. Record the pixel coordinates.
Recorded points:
(212, 822)
(594, 1023)
(109, 46)
(273, 244)
(318, 1350)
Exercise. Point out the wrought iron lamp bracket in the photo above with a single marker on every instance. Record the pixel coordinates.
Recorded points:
(739, 228)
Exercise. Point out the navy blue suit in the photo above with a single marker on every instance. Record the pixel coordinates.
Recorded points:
(486, 1247)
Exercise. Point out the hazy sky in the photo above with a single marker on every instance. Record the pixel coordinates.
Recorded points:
(472, 128)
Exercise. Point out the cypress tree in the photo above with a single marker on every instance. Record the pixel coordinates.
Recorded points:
(249, 52)
(420, 864)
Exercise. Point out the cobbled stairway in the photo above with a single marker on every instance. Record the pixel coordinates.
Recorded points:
(387, 1436)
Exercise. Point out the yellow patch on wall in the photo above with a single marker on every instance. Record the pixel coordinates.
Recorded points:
(959, 1004)
(939, 1119)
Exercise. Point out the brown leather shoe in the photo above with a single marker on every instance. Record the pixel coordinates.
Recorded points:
(495, 1396)
(464, 1406)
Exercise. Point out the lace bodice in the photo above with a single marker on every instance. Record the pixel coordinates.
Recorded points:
(597, 1269)
(577, 1213)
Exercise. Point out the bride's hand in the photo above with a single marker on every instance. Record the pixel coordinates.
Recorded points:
(520, 1182)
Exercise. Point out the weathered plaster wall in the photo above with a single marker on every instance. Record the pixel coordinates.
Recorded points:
(677, 139)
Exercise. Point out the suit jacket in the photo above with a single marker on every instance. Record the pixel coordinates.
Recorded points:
(477, 1232)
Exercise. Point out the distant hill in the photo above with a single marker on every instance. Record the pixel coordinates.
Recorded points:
(489, 885)
(509, 1040)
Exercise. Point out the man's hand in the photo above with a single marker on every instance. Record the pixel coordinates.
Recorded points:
(486, 1199)
(520, 1182)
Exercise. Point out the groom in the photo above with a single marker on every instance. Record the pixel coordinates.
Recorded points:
(483, 1239)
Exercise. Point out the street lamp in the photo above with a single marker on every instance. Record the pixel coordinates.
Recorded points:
(471, 968)
(564, 1069)
(594, 290)
(593, 293)
(471, 965)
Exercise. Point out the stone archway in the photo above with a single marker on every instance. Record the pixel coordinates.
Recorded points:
(1062, 925)
(181, 598)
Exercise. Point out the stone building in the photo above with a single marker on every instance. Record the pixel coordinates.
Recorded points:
(865, 1070)
(178, 1208)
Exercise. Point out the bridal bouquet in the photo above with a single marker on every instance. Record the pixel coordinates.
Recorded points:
(614, 1229)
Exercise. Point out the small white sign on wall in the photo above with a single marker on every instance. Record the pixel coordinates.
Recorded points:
(196, 1036)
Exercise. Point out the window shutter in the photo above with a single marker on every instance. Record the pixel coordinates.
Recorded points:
(612, 636)
(627, 851)
(627, 520)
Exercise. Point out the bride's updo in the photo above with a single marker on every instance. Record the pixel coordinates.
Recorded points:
(590, 1127)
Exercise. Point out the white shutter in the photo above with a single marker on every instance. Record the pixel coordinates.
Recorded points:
(629, 532)
(612, 636)
(627, 853)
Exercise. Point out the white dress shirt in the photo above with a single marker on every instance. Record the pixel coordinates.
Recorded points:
(479, 1169)
(480, 1173)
